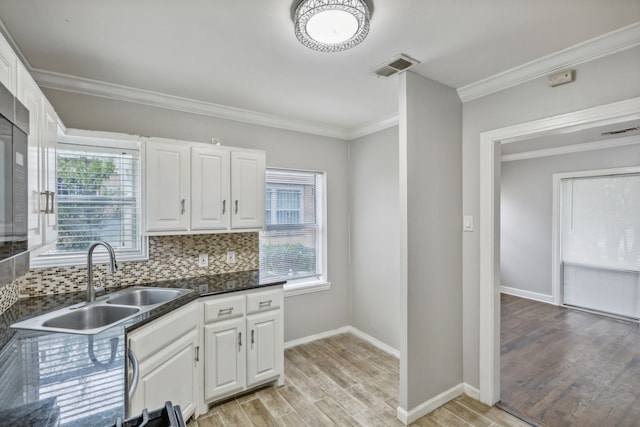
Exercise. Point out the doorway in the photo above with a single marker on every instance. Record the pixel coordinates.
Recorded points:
(490, 149)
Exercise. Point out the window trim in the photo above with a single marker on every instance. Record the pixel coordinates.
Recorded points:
(319, 282)
(108, 141)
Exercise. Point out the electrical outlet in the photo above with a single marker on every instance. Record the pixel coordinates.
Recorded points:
(203, 288)
(203, 260)
(231, 257)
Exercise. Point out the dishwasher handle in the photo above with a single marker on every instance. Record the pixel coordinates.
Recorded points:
(134, 376)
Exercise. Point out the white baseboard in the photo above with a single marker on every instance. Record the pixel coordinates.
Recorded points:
(321, 335)
(527, 294)
(471, 391)
(407, 417)
(374, 341)
(345, 329)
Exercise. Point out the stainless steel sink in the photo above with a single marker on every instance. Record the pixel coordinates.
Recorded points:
(90, 317)
(141, 296)
(93, 318)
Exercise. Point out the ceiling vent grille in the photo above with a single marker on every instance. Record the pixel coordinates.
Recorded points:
(395, 65)
(621, 131)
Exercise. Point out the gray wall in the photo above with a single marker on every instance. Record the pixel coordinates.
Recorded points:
(526, 211)
(304, 314)
(431, 249)
(374, 236)
(609, 79)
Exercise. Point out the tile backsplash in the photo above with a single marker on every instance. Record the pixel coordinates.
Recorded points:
(10, 272)
(170, 257)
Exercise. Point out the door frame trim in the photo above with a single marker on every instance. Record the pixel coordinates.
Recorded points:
(490, 143)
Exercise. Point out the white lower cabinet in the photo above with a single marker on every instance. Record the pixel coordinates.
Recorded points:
(242, 339)
(244, 342)
(225, 369)
(167, 353)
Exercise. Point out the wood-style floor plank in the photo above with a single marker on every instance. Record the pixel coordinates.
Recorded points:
(566, 368)
(341, 381)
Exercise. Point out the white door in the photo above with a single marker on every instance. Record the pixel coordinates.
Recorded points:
(167, 186)
(247, 189)
(225, 357)
(264, 346)
(209, 189)
(173, 380)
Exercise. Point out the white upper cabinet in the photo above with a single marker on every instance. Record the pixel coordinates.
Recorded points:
(167, 184)
(43, 137)
(198, 188)
(247, 189)
(210, 189)
(8, 64)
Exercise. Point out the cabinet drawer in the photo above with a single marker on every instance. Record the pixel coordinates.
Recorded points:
(224, 308)
(264, 300)
(149, 339)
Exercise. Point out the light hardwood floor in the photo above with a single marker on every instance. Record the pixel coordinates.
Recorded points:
(342, 381)
(567, 368)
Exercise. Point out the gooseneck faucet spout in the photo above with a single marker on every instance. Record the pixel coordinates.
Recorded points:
(113, 267)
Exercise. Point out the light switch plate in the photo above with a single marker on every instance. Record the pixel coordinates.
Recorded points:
(467, 223)
(231, 257)
(203, 260)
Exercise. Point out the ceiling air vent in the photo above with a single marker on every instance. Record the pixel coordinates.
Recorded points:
(395, 65)
(620, 131)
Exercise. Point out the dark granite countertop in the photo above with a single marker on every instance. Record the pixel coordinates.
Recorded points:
(84, 376)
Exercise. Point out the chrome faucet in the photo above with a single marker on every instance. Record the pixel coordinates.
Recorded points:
(113, 267)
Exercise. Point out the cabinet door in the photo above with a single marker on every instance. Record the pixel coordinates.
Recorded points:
(30, 95)
(264, 347)
(170, 377)
(167, 186)
(8, 62)
(209, 189)
(247, 189)
(225, 358)
(49, 180)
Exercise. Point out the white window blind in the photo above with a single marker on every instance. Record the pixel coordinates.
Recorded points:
(290, 246)
(98, 198)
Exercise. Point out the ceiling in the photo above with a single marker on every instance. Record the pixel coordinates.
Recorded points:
(244, 54)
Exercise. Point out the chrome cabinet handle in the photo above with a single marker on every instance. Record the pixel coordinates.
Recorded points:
(224, 311)
(252, 340)
(224, 206)
(265, 304)
(236, 206)
(239, 340)
(197, 349)
(181, 206)
(46, 199)
(134, 376)
(52, 194)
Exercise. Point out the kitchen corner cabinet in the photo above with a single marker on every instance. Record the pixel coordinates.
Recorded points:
(244, 342)
(199, 188)
(168, 355)
(42, 140)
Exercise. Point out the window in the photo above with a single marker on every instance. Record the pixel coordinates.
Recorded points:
(292, 247)
(98, 198)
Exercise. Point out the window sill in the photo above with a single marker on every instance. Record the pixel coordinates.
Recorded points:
(301, 288)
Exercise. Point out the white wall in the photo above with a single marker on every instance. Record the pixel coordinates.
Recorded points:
(431, 248)
(305, 314)
(374, 236)
(526, 211)
(599, 82)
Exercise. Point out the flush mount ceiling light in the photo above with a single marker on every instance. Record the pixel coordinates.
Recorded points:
(331, 25)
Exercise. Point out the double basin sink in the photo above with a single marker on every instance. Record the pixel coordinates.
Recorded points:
(93, 318)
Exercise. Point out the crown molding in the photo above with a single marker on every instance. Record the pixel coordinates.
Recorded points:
(372, 127)
(68, 83)
(597, 47)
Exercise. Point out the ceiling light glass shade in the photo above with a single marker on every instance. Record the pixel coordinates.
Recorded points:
(331, 25)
